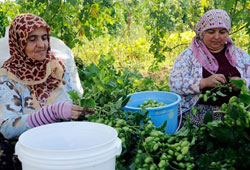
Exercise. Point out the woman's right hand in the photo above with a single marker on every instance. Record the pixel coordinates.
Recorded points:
(77, 111)
(212, 81)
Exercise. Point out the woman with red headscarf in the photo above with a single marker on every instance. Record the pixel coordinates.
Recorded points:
(34, 84)
(212, 59)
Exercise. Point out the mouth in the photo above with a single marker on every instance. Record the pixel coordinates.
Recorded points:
(216, 42)
(41, 51)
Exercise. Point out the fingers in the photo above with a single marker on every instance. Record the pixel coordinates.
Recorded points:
(212, 81)
(78, 111)
(220, 78)
(236, 78)
(216, 79)
(77, 108)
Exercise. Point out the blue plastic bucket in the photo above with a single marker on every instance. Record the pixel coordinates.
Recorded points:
(160, 114)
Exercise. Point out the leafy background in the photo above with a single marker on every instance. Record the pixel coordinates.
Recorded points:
(143, 34)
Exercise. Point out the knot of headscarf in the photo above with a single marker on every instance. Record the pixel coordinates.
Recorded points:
(41, 77)
(215, 18)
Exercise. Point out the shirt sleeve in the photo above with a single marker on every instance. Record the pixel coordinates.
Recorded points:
(12, 119)
(72, 79)
(184, 77)
(243, 65)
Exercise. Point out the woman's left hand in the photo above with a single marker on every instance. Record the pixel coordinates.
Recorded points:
(232, 85)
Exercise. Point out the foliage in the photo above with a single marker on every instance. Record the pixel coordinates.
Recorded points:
(104, 83)
(213, 145)
(169, 16)
(71, 20)
(74, 20)
(8, 11)
(225, 144)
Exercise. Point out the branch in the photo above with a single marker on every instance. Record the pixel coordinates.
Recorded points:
(55, 13)
(233, 10)
(170, 49)
(239, 29)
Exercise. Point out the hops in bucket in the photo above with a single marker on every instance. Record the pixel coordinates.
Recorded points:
(151, 103)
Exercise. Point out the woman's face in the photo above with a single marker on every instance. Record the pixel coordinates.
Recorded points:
(215, 38)
(37, 44)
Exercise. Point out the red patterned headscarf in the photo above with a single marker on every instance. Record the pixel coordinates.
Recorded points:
(41, 77)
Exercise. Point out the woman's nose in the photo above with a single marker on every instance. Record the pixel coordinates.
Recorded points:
(216, 35)
(40, 43)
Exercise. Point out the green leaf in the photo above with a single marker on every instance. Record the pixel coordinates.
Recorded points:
(89, 103)
(228, 4)
(244, 90)
(73, 94)
(221, 94)
(223, 134)
(118, 104)
(144, 111)
(238, 83)
(132, 166)
(74, 97)
(112, 84)
(125, 101)
(213, 124)
(210, 146)
(93, 68)
(137, 117)
(183, 132)
(163, 126)
(234, 112)
(244, 98)
(208, 118)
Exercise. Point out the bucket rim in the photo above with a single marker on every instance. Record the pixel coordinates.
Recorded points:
(80, 163)
(69, 150)
(154, 108)
(109, 152)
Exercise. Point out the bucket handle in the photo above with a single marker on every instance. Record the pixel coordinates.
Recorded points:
(118, 146)
(180, 118)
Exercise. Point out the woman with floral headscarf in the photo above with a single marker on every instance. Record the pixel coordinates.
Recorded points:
(212, 59)
(34, 84)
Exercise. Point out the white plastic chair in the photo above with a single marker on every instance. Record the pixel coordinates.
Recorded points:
(57, 46)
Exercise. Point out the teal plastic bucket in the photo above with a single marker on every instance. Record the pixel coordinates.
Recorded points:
(160, 114)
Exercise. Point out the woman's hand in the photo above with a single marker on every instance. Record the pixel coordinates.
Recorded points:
(75, 111)
(232, 85)
(212, 81)
(78, 111)
(52, 113)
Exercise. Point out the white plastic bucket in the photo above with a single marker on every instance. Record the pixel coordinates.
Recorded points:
(69, 146)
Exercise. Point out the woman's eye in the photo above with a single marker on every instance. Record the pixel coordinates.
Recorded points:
(210, 32)
(45, 37)
(223, 32)
(32, 39)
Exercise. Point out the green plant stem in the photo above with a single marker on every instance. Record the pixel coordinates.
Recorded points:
(173, 167)
(247, 106)
(219, 111)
